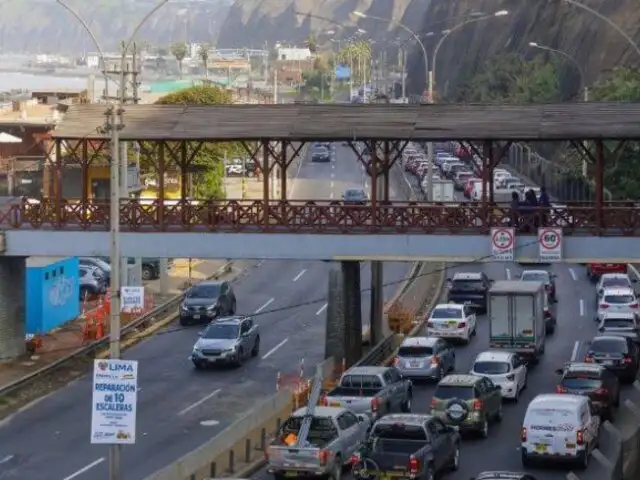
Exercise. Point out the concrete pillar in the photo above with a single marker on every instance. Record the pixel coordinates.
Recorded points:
(376, 318)
(164, 276)
(12, 307)
(344, 314)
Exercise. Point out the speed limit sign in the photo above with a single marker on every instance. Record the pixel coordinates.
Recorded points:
(550, 244)
(502, 242)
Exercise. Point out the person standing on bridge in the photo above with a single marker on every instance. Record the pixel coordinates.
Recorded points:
(545, 204)
(515, 209)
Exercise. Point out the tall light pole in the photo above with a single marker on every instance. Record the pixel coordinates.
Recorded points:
(114, 126)
(446, 34)
(418, 40)
(573, 61)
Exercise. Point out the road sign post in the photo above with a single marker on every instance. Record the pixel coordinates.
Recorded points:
(550, 244)
(502, 244)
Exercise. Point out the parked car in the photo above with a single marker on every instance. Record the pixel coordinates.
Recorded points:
(408, 446)
(372, 390)
(92, 282)
(100, 264)
(541, 439)
(228, 340)
(334, 436)
(468, 402)
(425, 358)
(206, 301)
(505, 369)
(595, 381)
(618, 354)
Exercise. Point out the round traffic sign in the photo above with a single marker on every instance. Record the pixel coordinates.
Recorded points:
(549, 239)
(502, 239)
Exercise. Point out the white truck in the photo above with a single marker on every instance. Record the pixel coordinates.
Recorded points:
(442, 190)
(516, 318)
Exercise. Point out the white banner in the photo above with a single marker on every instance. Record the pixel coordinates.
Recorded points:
(114, 401)
(503, 244)
(550, 244)
(131, 298)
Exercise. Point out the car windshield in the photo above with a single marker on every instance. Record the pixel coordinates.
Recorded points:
(491, 368)
(582, 380)
(467, 285)
(535, 277)
(444, 312)
(618, 323)
(614, 282)
(221, 331)
(445, 392)
(619, 299)
(415, 351)
(608, 345)
(204, 291)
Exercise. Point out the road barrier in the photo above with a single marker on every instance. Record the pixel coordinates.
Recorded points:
(618, 454)
(97, 346)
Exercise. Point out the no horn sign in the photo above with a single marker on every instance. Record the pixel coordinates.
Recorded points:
(502, 244)
(550, 244)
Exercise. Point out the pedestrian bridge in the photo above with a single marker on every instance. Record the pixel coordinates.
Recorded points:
(321, 230)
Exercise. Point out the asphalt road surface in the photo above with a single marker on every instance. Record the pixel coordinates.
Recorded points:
(575, 312)
(180, 408)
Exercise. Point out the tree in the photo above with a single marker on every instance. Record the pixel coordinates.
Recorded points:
(203, 53)
(209, 161)
(312, 44)
(358, 56)
(179, 51)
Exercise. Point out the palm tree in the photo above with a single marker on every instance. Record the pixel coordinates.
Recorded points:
(179, 51)
(203, 53)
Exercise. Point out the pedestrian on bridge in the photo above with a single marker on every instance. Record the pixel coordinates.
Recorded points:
(545, 204)
(515, 209)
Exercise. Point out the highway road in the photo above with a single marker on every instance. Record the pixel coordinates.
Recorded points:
(575, 312)
(180, 408)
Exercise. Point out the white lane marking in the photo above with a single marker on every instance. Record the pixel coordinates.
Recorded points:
(199, 402)
(333, 166)
(581, 307)
(508, 272)
(331, 184)
(323, 307)
(572, 272)
(85, 469)
(302, 272)
(333, 175)
(6, 459)
(273, 350)
(295, 177)
(331, 195)
(259, 264)
(574, 352)
(267, 303)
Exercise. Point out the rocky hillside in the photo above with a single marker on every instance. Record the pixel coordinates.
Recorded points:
(46, 27)
(254, 22)
(595, 45)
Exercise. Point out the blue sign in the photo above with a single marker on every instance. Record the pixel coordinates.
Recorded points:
(342, 72)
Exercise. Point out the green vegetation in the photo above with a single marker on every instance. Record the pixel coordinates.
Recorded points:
(512, 79)
(357, 56)
(179, 51)
(207, 166)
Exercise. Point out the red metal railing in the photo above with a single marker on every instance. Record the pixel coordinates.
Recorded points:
(301, 216)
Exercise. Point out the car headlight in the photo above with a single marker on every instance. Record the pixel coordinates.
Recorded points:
(212, 307)
(231, 349)
(196, 349)
(183, 308)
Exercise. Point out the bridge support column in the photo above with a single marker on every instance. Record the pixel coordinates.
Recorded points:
(12, 308)
(344, 314)
(376, 317)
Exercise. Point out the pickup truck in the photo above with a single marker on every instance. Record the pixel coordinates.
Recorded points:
(408, 446)
(335, 435)
(371, 390)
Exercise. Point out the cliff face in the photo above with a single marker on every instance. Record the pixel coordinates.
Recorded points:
(258, 21)
(594, 44)
(46, 27)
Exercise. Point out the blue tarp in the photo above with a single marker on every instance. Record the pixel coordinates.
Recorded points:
(342, 72)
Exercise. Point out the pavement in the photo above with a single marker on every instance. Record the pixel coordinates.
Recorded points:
(575, 312)
(180, 408)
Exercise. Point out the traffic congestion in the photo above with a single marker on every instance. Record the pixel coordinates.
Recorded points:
(501, 361)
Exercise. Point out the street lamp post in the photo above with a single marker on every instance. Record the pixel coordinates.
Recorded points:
(573, 61)
(446, 33)
(114, 126)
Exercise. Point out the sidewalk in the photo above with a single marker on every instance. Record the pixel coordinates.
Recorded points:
(65, 340)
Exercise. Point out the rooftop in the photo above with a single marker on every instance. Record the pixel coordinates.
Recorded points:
(36, 114)
(438, 122)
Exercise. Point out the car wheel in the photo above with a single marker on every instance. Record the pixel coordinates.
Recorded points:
(407, 404)
(147, 273)
(198, 364)
(616, 402)
(232, 310)
(516, 397)
(583, 459)
(484, 429)
(237, 362)
(455, 461)
(430, 474)
(526, 462)
(499, 413)
(183, 322)
(256, 348)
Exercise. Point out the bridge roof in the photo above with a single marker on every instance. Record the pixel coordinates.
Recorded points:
(565, 121)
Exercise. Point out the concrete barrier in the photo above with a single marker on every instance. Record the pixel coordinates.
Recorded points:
(618, 454)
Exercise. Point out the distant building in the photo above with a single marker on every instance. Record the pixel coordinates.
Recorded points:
(294, 54)
(94, 60)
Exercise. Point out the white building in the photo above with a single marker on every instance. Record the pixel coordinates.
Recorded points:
(94, 61)
(298, 54)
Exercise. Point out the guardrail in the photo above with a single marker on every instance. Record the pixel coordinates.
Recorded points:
(99, 345)
(618, 454)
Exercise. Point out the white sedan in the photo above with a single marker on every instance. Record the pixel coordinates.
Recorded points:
(452, 321)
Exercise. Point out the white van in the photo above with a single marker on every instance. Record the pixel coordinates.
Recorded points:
(559, 427)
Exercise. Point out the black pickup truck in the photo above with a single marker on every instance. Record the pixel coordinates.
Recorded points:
(407, 446)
